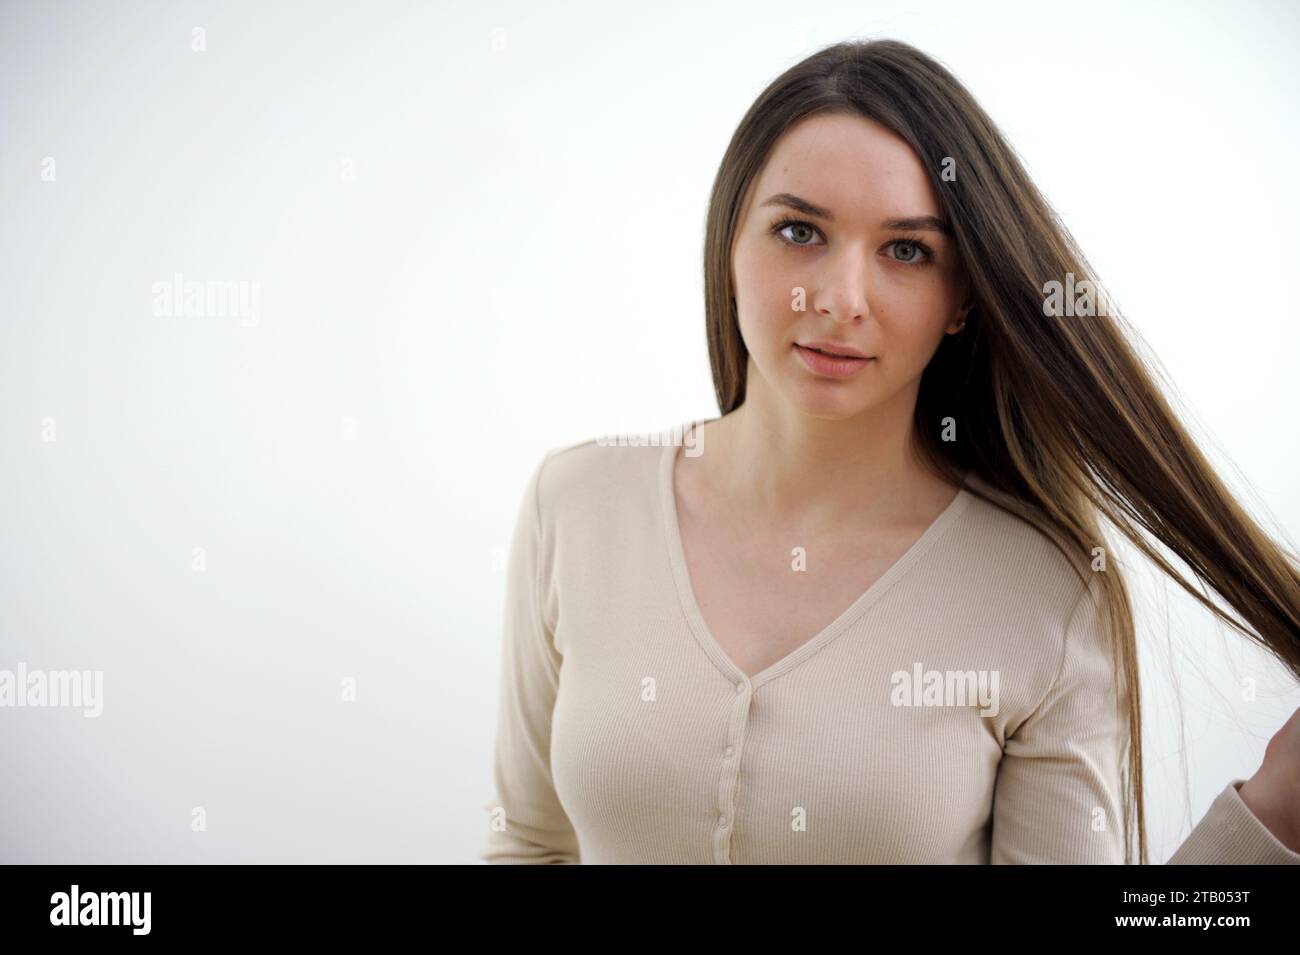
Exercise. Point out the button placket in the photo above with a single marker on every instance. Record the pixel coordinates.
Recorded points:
(728, 782)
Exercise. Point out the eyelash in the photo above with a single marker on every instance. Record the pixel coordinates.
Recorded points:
(784, 223)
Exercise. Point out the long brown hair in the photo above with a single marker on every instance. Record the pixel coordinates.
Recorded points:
(1058, 418)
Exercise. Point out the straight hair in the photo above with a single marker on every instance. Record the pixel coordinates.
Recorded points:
(1057, 418)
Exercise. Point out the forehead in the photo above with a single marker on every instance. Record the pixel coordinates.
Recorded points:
(854, 166)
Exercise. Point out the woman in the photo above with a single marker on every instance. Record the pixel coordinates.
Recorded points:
(878, 620)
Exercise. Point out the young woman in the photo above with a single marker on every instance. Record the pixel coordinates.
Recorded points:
(877, 619)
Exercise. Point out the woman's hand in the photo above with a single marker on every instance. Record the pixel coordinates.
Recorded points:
(1273, 793)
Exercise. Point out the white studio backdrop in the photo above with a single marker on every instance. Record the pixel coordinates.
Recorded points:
(458, 235)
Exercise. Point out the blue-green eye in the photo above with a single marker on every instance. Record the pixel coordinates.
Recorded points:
(803, 234)
(799, 226)
(916, 249)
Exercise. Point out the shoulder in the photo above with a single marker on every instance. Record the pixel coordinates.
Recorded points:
(1042, 600)
(598, 477)
(1020, 559)
(593, 466)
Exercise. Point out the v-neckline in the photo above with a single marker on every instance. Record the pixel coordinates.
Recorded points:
(704, 636)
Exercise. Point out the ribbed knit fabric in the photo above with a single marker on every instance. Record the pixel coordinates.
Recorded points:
(626, 735)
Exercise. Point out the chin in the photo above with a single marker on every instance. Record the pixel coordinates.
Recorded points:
(824, 404)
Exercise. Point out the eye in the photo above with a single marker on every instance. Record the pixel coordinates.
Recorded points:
(799, 233)
(914, 252)
(800, 229)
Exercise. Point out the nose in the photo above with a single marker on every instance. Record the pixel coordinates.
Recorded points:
(843, 292)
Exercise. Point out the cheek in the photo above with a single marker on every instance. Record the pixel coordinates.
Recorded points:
(912, 315)
(765, 282)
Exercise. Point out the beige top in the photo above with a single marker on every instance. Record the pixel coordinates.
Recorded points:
(957, 712)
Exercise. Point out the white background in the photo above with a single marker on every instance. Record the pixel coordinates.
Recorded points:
(514, 265)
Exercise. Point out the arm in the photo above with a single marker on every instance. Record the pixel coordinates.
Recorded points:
(1057, 792)
(527, 824)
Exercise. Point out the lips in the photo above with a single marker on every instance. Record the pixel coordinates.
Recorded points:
(831, 366)
(834, 349)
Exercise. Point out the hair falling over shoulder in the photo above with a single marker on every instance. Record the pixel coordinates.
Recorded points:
(1058, 417)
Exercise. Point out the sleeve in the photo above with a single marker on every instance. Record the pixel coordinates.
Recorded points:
(1230, 834)
(1057, 796)
(526, 823)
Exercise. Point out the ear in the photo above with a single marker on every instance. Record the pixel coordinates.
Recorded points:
(959, 322)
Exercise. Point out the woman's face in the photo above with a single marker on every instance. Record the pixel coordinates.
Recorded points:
(841, 271)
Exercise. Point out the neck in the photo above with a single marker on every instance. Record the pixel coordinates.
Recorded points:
(817, 472)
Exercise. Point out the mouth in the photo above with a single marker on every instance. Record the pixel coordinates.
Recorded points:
(834, 349)
(832, 364)
(835, 352)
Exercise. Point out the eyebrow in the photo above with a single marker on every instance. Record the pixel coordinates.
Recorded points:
(905, 223)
